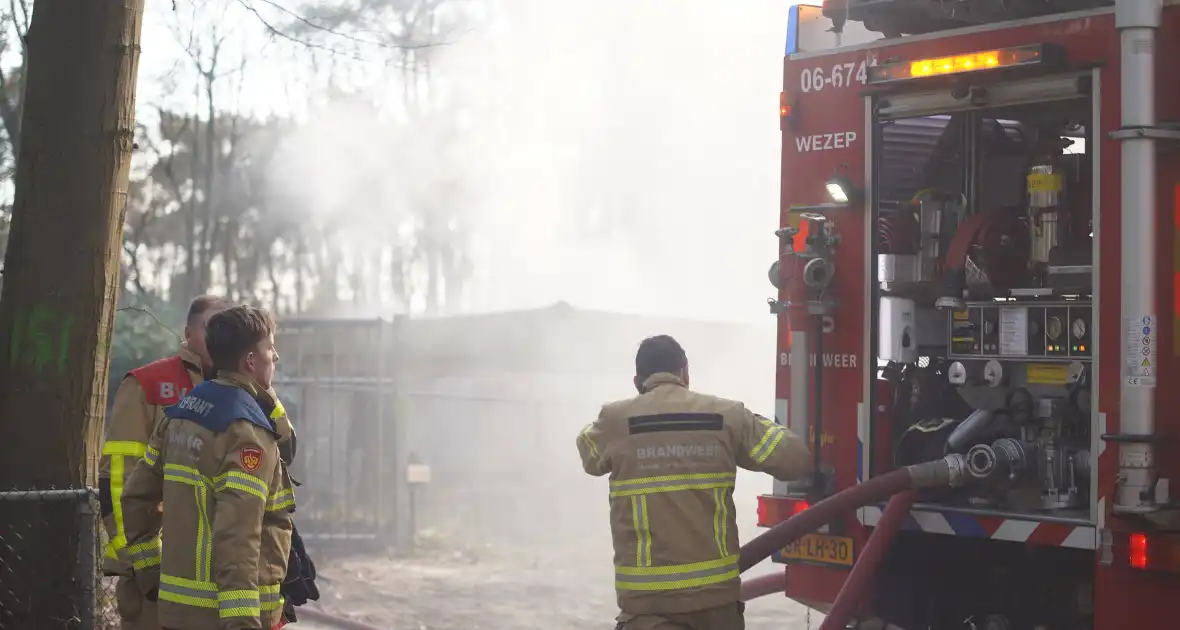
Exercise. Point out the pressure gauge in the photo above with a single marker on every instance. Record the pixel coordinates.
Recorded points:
(957, 374)
(1054, 327)
(1078, 328)
(993, 373)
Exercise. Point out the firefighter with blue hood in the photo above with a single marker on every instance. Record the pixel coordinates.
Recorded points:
(138, 405)
(215, 460)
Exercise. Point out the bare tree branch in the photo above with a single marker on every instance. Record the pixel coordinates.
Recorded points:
(275, 32)
(401, 43)
(324, 29)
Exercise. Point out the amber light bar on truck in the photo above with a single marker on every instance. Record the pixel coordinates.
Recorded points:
(1035, 54)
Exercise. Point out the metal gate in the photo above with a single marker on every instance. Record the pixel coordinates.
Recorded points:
(333, 380)
(490, 402)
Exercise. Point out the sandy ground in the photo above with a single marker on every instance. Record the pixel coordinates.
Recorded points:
(539, 565)
(468, 591)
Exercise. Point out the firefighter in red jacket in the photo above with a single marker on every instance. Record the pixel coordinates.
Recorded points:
(138, 406)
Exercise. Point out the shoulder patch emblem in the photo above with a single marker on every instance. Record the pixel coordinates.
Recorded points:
(250, 458)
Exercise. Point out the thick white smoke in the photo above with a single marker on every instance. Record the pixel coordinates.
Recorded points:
(625, 154)
(617, 155)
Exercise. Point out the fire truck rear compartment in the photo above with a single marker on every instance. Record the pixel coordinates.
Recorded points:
(984, 330)
(952, 583)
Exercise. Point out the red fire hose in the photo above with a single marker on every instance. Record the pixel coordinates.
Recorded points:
(947, 471)
(762, 585)
(857, 586)
(898, 486)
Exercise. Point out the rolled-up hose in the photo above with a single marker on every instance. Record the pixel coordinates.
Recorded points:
(860, 581)
(763, 585)
(947, 471)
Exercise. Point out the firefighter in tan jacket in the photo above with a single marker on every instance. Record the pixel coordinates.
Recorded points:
(138, 405)
(672, 455)
(227, 495)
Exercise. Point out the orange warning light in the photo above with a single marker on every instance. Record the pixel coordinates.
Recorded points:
(956, 64)
(785, 107)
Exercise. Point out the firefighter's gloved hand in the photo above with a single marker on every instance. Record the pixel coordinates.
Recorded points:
(147, 581)
(268, 400)
(288, 613)
(299, 586)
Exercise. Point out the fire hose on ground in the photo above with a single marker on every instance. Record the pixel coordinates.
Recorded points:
(898, 487)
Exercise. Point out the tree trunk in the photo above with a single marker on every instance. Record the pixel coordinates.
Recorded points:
(212, 226)
(273, 276)
(301, 263)
(228, 260)
(398, 285)
(57, 305)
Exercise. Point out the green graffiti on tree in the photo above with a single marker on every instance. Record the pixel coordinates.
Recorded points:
(40, 340)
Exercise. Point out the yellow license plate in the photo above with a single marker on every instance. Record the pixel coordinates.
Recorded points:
(820, 549)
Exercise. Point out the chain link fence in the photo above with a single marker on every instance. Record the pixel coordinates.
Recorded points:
(51, 562)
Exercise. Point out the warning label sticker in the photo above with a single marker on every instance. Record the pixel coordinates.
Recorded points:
(1139, 351)
(1048, 374)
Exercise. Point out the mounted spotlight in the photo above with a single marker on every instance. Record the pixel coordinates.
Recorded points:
(842, 190)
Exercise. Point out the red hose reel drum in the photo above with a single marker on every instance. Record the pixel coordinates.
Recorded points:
(899, 232)
(997, 243)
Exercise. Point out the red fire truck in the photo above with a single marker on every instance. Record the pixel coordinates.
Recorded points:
(980, 227)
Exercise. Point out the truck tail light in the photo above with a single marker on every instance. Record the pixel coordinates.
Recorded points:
(1155, 551)
(786, 105)
(773, 510)
(1137, 551)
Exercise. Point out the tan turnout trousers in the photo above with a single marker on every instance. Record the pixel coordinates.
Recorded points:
(728, 617)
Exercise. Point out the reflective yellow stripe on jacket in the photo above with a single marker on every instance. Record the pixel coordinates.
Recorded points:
(203, 550)
(270, 598)
(671, 483)
(774, 434)
(281, 500)
(117, 452)
(202, 592)
(720, 521)
(145, 555)
(242, 603)
(645, 577)
(585, 435)
(676, 576)
(196, 593)
(151, 455)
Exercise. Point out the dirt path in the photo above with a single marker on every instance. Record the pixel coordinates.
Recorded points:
(459, 591)
(562, 579)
